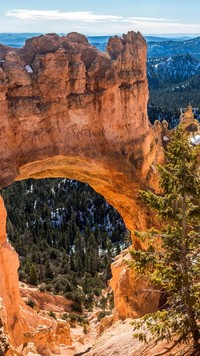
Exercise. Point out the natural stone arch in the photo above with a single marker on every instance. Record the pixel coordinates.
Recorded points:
(68, 110)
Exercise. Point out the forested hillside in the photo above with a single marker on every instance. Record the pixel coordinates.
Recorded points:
(66, 236)
(171, 70)
(171, 48)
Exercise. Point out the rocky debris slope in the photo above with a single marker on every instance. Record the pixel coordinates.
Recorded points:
(45, 301)
(119, 340)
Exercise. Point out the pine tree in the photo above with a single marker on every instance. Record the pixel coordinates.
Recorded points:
(49, 273)
(79, 252)
(92, 255)
(33, 279)
(175, 268)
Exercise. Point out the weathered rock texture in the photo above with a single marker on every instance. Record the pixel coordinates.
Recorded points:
(68, 110)
(9, 290)
(118, 340)
(45, 301)
(133, 296)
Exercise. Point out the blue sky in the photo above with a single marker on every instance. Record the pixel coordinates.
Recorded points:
(101, 17)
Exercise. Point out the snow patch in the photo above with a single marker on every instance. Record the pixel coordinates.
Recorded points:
(29, 69)
(195, 140)
(165, 138)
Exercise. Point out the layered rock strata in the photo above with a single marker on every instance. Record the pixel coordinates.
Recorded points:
(68, 110)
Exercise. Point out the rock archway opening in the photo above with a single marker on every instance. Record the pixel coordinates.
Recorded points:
(66, 236)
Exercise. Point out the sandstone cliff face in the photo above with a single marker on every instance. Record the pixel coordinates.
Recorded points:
(133, 296)
(22, 325)
(9, 290)
(68, 110)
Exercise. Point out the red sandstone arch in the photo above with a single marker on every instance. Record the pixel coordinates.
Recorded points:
(68, 110)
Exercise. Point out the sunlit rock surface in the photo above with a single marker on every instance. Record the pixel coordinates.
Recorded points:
(118, 340)
(133, 296)
(69, 110)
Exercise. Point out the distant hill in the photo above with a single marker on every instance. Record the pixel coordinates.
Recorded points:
(17, 40)
(171, 70)
(164, 39)
(101, 41)
(169, 48)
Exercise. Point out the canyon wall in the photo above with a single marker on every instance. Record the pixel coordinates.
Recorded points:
(68, 110)
(23, 329)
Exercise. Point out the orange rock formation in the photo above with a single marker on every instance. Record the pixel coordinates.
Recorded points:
(22, 324)
(68, 110)
(133, 296)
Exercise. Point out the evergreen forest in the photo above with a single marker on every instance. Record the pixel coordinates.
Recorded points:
(66, 236)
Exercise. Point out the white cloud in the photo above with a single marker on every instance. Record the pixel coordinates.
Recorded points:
(85, 16)
(83, 21)
(151, 19)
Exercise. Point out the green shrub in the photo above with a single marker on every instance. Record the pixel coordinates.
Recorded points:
(43, 287)
(81, 319)
(77, 306)
(52, 314)
(101, 315)
(30, 302)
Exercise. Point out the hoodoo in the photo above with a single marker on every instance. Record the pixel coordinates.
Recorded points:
(69, 110)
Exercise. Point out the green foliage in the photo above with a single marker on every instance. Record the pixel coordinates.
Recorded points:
(43, 287)
(175, 96)
(59, 228)
(52, 314)
(81, 319)
(103, 303)
(30, 302)
(101, 315)
(33, 279)
(175, 268)
(111, 300)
